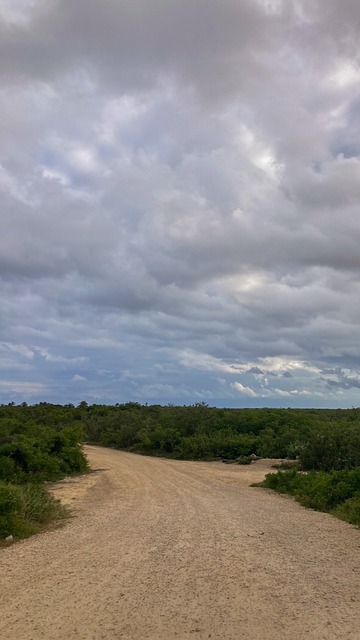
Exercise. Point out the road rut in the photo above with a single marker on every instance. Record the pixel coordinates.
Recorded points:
(163, 550)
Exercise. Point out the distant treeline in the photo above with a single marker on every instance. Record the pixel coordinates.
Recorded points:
(40, 440)
(43, 442)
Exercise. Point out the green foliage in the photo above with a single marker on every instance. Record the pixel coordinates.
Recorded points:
(202, 432)
(349, 510)
(245, 460)
(337, 446)
(41, 440)
(286, 465)
(24, 509)
(35, 453)
(36, 444)
(219, 444)
(336, 492)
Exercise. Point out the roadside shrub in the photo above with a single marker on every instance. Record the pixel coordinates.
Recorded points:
(282, 482)
(286, 465)
(24, 509)
(9, 499)
(337, 492)
(245, 460)
(332, 448)
(40, 453)
(219, 444)
(349, 510)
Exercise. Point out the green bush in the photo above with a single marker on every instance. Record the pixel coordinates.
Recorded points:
(286, 465)
(24, 509)
(349, 510)
(337, 492)
(39, 453)
(332, 447)
(45, 444)
(245, 460)
(10, 499)
(220, 444)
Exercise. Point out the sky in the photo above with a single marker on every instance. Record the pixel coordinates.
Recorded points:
(180, 202)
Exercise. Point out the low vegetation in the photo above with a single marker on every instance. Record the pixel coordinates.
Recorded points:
(43, 442)
(26, 508)
(336, 492)
(327, 476)
(31, 453)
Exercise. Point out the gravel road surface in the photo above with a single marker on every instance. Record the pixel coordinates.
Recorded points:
(163, 550)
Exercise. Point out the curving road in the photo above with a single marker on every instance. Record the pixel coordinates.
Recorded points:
(164, 550)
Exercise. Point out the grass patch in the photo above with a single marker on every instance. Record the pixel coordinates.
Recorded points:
(26, 509)
(349, 510)
(336, 492)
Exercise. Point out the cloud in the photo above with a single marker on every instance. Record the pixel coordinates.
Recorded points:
(20, 349)
(21, 388)
(179, 190)
(342, 381)
(246, 391)
(256, 371)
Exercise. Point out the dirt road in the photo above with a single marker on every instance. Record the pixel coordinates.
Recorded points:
(166, 550)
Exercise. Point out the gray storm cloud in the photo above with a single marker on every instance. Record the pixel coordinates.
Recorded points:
(179, 187)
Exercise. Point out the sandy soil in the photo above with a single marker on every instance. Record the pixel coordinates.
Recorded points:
(165, 550)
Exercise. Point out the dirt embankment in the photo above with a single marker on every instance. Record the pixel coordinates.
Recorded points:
(167, 550)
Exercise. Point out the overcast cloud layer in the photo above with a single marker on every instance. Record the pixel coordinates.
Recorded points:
(180, 191)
